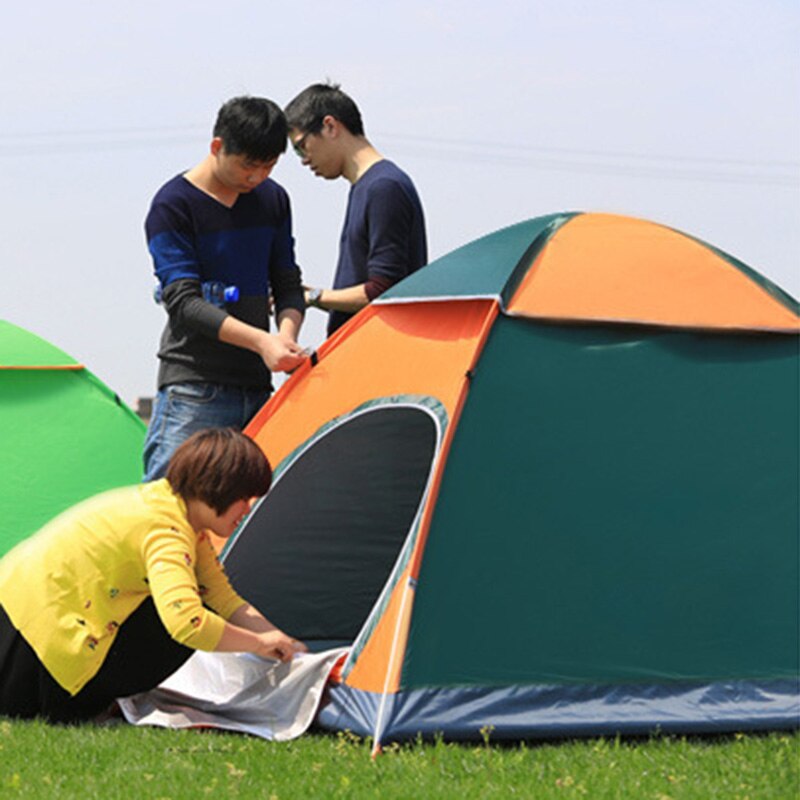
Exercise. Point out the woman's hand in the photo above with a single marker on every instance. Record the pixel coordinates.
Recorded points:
(249, 631)
(276, 644)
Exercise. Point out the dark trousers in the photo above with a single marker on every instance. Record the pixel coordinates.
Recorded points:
(142, 656)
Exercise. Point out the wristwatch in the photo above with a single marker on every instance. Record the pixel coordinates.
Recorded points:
(313, 297)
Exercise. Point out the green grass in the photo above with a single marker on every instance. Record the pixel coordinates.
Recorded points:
(40, 761)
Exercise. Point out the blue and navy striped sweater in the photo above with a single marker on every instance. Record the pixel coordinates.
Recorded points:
(193, 238)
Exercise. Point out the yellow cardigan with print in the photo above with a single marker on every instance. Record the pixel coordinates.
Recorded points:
(69, 587)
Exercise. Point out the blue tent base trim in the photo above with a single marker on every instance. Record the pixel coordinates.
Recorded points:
(544, 712)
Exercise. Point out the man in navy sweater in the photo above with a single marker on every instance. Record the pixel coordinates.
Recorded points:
(383, 238)
(223, 221)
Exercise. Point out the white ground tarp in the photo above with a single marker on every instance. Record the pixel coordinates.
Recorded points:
(238, 692)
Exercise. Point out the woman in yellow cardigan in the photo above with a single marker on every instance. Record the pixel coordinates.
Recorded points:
(113, 595)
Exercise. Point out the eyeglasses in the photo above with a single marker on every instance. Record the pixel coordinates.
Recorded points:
(299, 145)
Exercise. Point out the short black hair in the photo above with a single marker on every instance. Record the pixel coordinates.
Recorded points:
(252, 126)
(306, 112)
(219, 466)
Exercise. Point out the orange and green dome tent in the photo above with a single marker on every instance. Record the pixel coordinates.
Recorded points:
(64, 434)
(546, 486)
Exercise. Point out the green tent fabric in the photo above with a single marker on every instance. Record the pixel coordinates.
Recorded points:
(64, 435)
(639, 511)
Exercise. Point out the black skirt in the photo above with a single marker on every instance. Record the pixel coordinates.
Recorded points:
(142, 656)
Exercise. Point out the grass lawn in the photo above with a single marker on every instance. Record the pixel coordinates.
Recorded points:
(40, 761)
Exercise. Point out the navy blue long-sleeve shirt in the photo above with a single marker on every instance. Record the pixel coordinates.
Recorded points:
(383, 238)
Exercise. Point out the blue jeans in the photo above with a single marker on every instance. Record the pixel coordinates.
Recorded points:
(181, 409)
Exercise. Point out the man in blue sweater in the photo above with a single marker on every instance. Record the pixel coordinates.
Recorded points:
(223, 221)
(383, 238)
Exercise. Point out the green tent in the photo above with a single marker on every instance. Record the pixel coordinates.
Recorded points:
(549, 484)
(64, 435)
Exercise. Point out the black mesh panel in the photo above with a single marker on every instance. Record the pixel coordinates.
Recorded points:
(315, 555)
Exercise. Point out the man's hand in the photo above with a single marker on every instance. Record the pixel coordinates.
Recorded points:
(312, 297)
(349, 300)
(280, 353)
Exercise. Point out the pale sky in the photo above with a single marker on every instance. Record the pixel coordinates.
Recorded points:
(683, 112)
